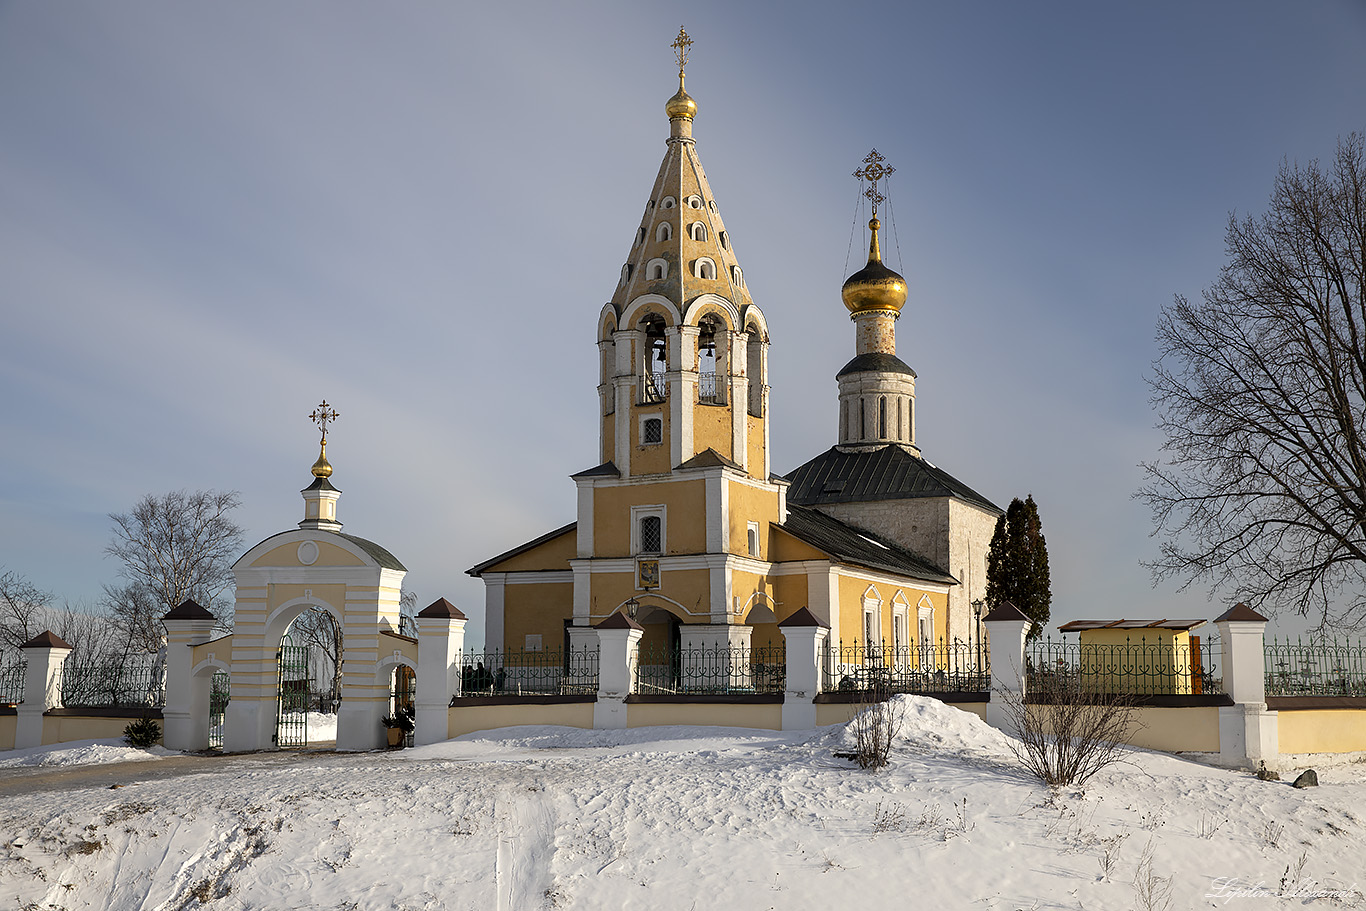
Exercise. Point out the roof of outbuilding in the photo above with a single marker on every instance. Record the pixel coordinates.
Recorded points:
(862, 548)
(884, 473)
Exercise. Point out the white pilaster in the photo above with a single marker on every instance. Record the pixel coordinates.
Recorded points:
(440, 645)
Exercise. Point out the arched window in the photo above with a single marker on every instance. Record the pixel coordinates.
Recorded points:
(697, 230)
(725, 240)
(711, 204)
(640, 235)
(657, 269)
(694, 202)
(704, 268)
(664, 232)
(626, 272)
(882, 417)
(736, 276)
(667, 202)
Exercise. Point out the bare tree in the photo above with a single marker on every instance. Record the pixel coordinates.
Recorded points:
(1261, 392)
(1064, 734)
(176, 546)
(23, 608)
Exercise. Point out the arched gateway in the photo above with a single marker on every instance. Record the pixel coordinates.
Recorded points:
(313, 567)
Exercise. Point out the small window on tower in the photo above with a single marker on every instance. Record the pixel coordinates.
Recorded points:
(664, 231)
(725, 241)
(652, 432)
(698, 231)
(753, 539)
(650, 534)
(694, 202)
(667, 203)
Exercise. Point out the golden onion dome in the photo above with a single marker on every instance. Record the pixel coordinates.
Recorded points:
(874, 287)
(681, 104)
(322, 468)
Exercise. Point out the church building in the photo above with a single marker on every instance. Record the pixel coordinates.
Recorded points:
(682, 522)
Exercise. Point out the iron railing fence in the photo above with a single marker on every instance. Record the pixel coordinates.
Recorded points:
(220, 691)
(1322, 667)
(113, 684)
(709, 391)
(1135, 667)
(945, 666)
(12, 683)
(524, 672)
(711, 670)
(654, 387)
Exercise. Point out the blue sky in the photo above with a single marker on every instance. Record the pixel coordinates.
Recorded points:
(215, 215)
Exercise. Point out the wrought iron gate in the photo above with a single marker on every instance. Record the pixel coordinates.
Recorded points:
(218, 705)
(294, 695)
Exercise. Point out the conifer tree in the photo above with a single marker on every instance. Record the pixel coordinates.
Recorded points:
(1017, 564)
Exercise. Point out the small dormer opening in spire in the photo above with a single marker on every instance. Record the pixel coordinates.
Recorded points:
(709, 391)
(654, 369)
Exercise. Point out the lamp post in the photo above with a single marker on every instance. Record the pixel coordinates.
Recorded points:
(632, 608)
(977, 612)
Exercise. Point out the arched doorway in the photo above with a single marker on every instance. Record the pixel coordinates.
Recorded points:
(308, 692)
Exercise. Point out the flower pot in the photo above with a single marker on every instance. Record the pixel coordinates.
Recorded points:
(395, 736)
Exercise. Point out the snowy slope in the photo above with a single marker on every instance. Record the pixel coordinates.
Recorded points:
(682, 818)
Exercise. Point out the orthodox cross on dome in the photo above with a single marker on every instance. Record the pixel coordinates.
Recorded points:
(680, 46)
(322, 416)
(874, 170)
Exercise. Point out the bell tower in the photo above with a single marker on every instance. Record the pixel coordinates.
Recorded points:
(683, 350)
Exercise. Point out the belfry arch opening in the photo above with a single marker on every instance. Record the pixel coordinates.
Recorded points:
(654, 366)
(709, 386)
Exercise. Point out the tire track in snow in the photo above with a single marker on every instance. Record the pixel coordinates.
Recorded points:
(526, 847)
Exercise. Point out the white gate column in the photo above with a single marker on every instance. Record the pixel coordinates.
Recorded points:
(440, 644)
(186, 712)
(45, 655)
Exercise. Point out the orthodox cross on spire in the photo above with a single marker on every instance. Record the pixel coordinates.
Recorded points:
(680, 46)
(873, 171)
(322, 416)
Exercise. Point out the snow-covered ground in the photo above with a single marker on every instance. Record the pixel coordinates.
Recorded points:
(684, 818)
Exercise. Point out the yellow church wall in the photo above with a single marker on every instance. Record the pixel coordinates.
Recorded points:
(466, 719)
(328, 555)
(711, 430)
(609, 436)
(767, 716)
(754, 437)
(685, 530)
(851, 589)
(652, 459)
(689, 587)
(751, 504)
(551, 555)
(789, 594)
(538, 609)
(787, 549)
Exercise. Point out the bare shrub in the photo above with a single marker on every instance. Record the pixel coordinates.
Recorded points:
(1065, 735)
(875, 727)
